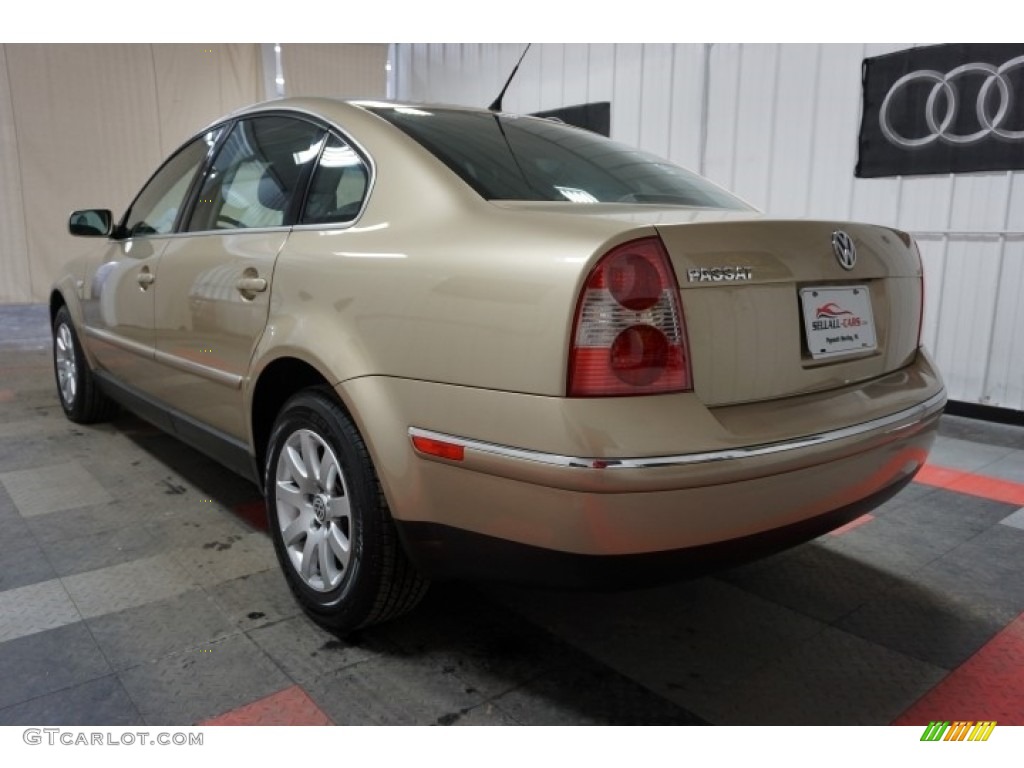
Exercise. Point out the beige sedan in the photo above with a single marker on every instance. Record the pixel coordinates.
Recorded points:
(457, 343)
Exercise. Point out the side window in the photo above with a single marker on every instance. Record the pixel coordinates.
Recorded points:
(339, 185)
(256, 174)
(156, 208)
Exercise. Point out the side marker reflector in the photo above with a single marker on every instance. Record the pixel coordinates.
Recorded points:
(438, 448)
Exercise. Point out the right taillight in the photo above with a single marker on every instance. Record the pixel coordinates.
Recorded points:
(629, 337)
(920, 316)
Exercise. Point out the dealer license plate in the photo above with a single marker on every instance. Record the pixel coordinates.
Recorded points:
(838, 321)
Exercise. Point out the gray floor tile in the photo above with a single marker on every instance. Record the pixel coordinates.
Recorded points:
(48, 661)
(589, 695)
(987, 570)
(71, 555)
(978, 431)
(1015, 519)
(938, 627)
(947, 517)
(965, 455)
(305, 651)
(194, 526)
(391, 691)
(463, 633)
(833, 679)
(99, 702)
(40, 490)
(895, 546)
(693, 642)
(22, 562)
(1010, 467)
(127, 585)
(482, 714)
(821, 581)
(196, 685)
(35, 608)
(227, 557)
(83, 521)
(256, 600)
(148, 632)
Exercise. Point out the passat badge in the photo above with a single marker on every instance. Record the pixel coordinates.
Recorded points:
(719, 274)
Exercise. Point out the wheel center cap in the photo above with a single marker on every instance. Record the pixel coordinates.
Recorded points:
(320, 507)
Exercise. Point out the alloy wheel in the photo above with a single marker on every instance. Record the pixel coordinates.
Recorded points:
(313, 510)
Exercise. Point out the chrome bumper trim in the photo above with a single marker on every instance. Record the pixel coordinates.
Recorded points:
(896, 422)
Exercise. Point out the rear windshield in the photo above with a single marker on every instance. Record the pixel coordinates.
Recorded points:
(508, 157)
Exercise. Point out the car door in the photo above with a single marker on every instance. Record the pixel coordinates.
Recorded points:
(215, 283)
(118, 295)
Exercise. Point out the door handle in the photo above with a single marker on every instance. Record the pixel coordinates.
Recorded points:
(145, 278)
(251, 284)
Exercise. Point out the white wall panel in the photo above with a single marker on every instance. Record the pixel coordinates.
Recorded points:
(779, 126)
(1005, 374)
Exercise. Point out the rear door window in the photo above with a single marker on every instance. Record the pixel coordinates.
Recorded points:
(257, 175)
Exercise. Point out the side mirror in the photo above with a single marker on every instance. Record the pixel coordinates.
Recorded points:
(92, 222)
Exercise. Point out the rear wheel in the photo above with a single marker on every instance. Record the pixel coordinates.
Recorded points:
(79, 394)
(331, 525)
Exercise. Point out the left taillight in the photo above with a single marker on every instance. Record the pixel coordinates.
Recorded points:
(629, 336)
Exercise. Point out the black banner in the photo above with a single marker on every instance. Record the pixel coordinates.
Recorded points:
(596, 116)
(943, 109)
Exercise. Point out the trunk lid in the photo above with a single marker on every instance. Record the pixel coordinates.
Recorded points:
(771, 312)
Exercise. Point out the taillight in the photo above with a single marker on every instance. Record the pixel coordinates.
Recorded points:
(920, 316)
(629, 337)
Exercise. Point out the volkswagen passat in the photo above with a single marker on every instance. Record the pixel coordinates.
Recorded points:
(455, 343)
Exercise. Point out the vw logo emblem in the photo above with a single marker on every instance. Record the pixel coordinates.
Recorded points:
(319, 508)
(844, 249)
(940, 120)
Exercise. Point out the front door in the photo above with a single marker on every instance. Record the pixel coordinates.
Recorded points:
(215, 282)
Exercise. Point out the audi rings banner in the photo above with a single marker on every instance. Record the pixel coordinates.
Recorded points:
(943, 109)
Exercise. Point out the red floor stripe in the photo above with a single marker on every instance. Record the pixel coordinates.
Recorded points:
(973, 484)
(253, 512)
(988, 686)
(288, 707)
(6, 395)
(853, 524)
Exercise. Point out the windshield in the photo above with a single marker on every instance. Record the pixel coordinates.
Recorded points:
(508, 157)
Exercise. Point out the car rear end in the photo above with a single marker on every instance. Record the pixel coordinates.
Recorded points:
(732, 385)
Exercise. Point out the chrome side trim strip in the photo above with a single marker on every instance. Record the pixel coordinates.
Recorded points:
(135, 347)
(896, 422)
(232, 380)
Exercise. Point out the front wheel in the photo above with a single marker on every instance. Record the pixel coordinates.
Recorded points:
(331, 525)
(79, 394)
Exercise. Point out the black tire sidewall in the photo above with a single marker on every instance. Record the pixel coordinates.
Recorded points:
(75, 409)
(348, 605)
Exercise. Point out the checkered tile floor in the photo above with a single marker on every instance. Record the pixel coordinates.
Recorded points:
(138, 587)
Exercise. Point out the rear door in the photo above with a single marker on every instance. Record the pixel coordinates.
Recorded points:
(215, 284)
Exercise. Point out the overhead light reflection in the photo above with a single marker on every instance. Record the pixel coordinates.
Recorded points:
(413, 111)
(577, 195)
(339, 157)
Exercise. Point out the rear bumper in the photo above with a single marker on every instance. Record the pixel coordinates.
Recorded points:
(635, 476)
(653, 473)
(442, 552)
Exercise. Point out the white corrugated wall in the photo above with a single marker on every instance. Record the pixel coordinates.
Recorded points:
(778, 125)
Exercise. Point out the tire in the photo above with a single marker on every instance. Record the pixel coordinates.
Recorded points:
(77, 389)
(331, 526)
